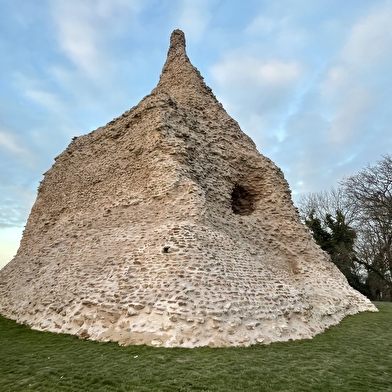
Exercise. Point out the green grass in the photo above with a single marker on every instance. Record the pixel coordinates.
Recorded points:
(355, 356)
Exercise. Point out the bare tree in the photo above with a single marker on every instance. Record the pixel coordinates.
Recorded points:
(370, 195)
(363, 202)
(324, 203)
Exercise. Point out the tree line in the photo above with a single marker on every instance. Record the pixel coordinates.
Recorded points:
(353, 223)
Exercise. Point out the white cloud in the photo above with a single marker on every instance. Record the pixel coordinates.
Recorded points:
(370, 39)
(114, 9)
(261, 92)
(84, 29)
(366, 50)
(353, 81)
(349, 118)
(280, 29)
(45, 99)
(261, 25)
(278, 72)
(249, 70)
(78, 35)
(338, 79)
(39, 90)
(12, 144)
(194, 17)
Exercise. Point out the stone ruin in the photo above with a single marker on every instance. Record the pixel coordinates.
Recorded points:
(167, 227)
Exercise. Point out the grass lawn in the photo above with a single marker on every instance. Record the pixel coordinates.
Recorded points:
(354, 356)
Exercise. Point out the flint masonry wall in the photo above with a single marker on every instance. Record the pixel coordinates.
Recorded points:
(167, 227)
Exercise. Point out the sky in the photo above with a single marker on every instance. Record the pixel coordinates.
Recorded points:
(309, 81)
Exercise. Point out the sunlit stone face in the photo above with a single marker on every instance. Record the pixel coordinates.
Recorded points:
(166, 227)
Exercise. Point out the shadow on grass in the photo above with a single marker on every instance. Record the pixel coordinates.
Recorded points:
(355, 356)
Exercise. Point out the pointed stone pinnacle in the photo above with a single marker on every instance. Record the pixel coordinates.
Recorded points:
(179, 78)
(177, 44)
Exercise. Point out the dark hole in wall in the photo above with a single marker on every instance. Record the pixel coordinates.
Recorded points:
(242, 201)
(166, 249)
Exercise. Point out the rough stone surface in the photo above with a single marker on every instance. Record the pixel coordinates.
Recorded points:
(166, 227)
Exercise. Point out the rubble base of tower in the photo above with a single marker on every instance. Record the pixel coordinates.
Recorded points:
(144, 325)
(179, 293)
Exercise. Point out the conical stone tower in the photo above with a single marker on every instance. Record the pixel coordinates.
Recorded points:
(167, 227)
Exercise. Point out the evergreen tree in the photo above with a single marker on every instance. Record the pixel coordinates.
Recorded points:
(320, 235)
(337, 238)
